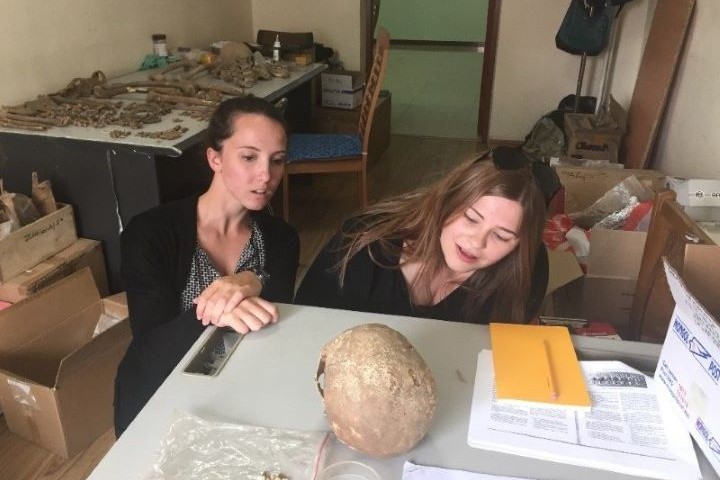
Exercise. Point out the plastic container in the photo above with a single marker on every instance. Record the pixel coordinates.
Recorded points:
(349, 470)
(160, 45)
(276, 48)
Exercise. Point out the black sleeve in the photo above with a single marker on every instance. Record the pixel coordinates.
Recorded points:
(161, 333)
(148, 275)
(320, 287)
(283, 256)
(538, 285)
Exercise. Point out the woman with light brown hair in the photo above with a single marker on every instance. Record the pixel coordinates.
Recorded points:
(467, 248)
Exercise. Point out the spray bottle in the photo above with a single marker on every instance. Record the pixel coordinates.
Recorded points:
(276, 48)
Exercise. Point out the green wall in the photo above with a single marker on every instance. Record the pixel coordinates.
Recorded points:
(446, 20)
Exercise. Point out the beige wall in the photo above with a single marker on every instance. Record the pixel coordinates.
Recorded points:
(334, 23)
(689, 142)
(532, 75)
(44, 45)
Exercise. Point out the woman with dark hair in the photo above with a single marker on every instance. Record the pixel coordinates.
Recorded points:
(467, 248)
(216, 258)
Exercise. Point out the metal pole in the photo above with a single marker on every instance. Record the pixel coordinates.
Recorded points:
(581, 74)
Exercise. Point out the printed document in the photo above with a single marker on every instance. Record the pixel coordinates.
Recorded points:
(628, 430)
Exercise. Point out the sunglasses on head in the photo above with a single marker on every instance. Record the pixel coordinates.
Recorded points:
(509, 158)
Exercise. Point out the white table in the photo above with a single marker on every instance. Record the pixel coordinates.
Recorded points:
(269, 381)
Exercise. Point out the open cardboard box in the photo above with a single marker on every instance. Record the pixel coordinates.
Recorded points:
(688, 366)
(56, 376)
(605, 292)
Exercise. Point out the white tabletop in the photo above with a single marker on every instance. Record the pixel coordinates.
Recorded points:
(269, 89)
(269, 381)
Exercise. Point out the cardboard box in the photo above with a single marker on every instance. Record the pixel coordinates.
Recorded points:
(595, 136)
(341, 80)
(31, 244)
(57, 377)
(689, 366)
(696, 192)
(605, 292)
(341, 99)
(83, 253)
(583, 185)
(699, 197)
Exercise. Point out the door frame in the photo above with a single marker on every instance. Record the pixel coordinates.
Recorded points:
(369, 11)
(488, 73)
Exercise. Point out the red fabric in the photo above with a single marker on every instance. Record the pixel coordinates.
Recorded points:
(638, 213)
(555, 230)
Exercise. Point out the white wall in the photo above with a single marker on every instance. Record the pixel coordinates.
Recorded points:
(689, 142)
(532, 75)
(44, 45)
(334, 23)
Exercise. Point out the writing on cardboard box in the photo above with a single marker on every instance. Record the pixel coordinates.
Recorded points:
(36, 233)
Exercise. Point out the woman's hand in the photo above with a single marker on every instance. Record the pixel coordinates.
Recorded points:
(225, 294)
(251, 314)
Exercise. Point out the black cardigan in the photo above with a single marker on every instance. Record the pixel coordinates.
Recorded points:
(157, 248)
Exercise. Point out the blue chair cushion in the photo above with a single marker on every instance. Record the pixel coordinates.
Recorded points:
(322, 146)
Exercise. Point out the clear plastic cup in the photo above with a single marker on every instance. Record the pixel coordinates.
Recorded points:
(349, 470)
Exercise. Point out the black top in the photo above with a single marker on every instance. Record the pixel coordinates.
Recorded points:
(370, 287)
(157, 248)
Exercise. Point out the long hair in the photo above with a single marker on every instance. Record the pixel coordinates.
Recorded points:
(410, 224)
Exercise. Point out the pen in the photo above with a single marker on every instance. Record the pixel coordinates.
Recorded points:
(550, 378)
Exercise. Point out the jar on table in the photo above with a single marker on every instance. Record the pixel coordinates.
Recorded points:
(160, 45)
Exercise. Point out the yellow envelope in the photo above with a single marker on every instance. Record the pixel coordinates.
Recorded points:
(537, 363)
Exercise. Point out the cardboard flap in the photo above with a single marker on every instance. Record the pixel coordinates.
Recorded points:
(615, 254)
(584, 185)
(701, 273)
(106, 343)
(36, 315)
(564, 268)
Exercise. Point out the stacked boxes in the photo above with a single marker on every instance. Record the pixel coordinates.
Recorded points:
(605, 291)
(57, 367)
(26, 247)
(342, 89)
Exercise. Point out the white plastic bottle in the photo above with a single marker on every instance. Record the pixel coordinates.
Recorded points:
(276, 48)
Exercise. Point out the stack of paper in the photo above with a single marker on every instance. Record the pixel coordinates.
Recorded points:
(629, 430)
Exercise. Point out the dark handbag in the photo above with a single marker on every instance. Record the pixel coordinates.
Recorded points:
(581, 33)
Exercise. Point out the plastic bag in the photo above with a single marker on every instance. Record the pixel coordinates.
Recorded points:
(615, 206)
(204, 450)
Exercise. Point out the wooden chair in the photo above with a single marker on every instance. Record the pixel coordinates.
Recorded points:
(335, 153)
(670, 230)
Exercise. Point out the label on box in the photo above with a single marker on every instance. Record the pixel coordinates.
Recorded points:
(696, 192)
(689, 367)
(344, 81)
(346, 100)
